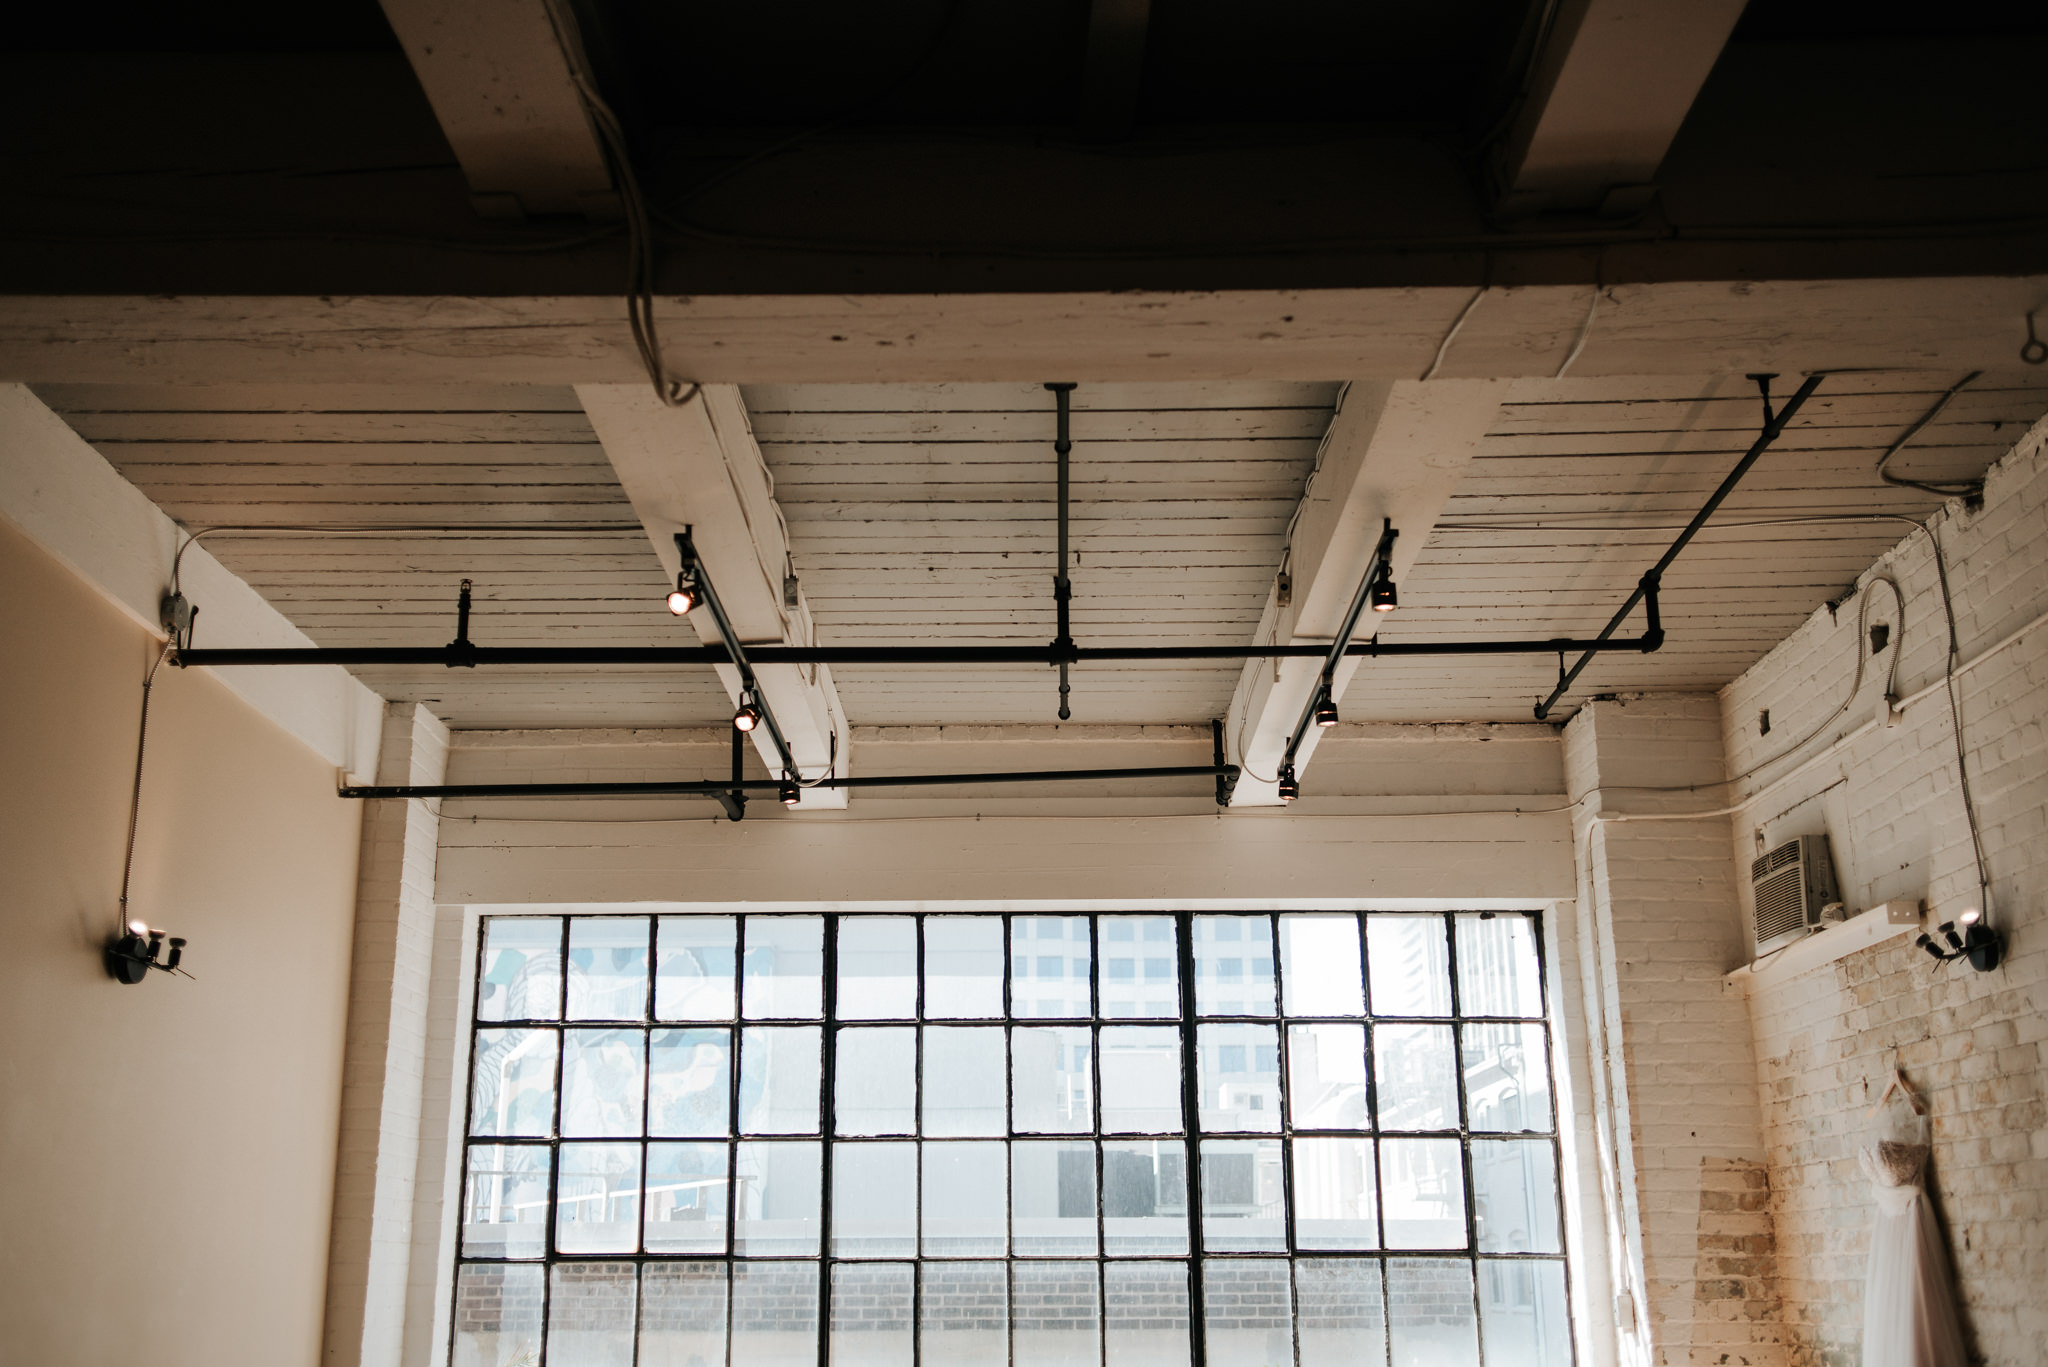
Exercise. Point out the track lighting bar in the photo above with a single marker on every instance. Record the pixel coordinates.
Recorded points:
(1646, 588)
(876, 655)
(753, 703)
(720, 789)
(1375, 588)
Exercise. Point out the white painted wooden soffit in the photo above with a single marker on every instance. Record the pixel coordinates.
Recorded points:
(1394, 451)
(502, 79)
(698, 466)
(1608, 91)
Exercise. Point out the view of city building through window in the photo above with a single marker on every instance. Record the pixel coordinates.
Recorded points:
(867, 1140)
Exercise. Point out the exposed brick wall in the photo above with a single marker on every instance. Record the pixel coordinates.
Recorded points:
(1889, 801)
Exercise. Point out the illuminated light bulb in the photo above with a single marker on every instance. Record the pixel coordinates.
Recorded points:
(137, 929)
(749, 715)
(1970, 917)
(789, 791)
(685, 596)
(1383, 597)
(1326, 712)
(1290, 787)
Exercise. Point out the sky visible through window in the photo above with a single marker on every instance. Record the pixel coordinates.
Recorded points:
(1146, 1140)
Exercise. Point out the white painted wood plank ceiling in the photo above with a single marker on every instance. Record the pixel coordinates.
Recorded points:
(924, 514)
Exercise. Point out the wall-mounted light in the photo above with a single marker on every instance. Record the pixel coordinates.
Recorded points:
(749, 715)
(131, 955)
(1977, 942)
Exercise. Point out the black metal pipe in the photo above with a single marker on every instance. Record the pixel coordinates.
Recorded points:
(716, 788)
(865, 655)
(1063, 587)
(1380, 563)
(1774, 423)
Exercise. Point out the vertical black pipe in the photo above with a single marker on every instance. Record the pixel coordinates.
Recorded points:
(1062, 587)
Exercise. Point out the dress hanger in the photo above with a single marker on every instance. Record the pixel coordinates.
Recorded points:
(1897, 1084)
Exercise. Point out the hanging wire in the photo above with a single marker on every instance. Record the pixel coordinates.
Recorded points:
(1967, 488)
(135, 794)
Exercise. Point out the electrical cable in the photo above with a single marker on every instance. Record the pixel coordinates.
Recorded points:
(1969, 488)
(1955, 714)
(397, 529)
(135, 795)
(1443, 348)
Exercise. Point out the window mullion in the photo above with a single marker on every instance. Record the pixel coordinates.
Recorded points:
(1191, 1123)
(828, 1125)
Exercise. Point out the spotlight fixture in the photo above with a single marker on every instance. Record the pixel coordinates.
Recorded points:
(749, 715)
(132, 955)
(1326, 711)
(686, 594)
(1978, 943)
(789, 790)
(1383, 598)
(1290, 787)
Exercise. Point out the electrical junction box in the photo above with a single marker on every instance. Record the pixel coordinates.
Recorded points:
(1900, 913)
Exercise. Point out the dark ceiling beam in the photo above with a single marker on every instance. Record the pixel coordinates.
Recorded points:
(1113, 75)
(502, 79)
(1610, 85)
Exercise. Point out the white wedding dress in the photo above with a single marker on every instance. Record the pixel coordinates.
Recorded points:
(1909, 1308)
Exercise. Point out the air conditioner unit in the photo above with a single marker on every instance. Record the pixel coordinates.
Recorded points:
(1792, 883)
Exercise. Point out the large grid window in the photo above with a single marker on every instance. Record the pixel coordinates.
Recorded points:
(1194, 1140)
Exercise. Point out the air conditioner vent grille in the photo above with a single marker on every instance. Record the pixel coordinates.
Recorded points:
(1780, 905)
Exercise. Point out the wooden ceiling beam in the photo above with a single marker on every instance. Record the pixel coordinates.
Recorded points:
(1609, 89)
(502, 79)
(1688, 328)
(698, 466)
(1394, 451)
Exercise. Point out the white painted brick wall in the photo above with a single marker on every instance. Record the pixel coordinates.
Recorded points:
(1889, 801)
(384, 1071)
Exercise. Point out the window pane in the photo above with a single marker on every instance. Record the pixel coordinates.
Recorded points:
(512, 1085)
(1497, 972)
(1145, 1314)
(686, 1186)
(689, 1086)
(522, 977)
(601, 1082)
(693, 975)
(1052, 1198)
(1140, 967)
(871, 1315)
(1326, 1077)
(785, 967)
(874, 1207)
(774, 1315)
(1514, 1195)
(776, 1186)
(1319, 964)
(966, 1198)
(1418, 1077)
(1233, 965)
(497, 1314)
(682, 1315)
(1411, 966)
(1144, 1197)
(1050, 1082)
(1522, 1315)
(875, 1080)
(597, 1199)
(1249, 1320)
(1429, 1312)
(591, 1314)
(1341, 1320)
(1507, 1078)
(608, 968)
(1054, 1315)
(963, 966)
(1422, 1193)
(963, 1315)
(1240, 1077)
(1049, 966)
(877, 968)
(1241, 1204)
(1335, 1194)
(963, 1079)
(505, 1201)
(1140, 1079)
(779, 1079)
